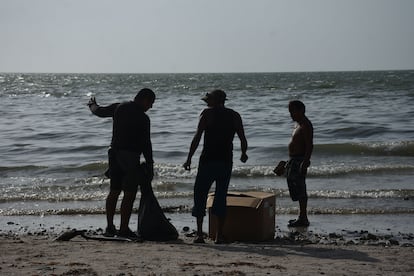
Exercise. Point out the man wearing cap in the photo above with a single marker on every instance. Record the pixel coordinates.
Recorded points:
(219, 124)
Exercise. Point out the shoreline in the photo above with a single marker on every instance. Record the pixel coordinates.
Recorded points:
(382, 229)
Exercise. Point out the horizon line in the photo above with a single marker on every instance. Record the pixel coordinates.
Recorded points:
(246, 72)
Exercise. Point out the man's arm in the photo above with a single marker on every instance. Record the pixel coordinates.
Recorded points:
(243, 140)
(147, 148)
(195, 142)
(102, 111)
(308, 139)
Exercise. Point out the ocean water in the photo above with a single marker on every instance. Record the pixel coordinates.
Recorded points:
(53, 150)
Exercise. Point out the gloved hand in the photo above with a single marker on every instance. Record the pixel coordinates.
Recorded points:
(280, 168)
(92, 104)
(148, 170)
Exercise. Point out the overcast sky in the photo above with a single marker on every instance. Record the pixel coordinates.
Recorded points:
(169, 36)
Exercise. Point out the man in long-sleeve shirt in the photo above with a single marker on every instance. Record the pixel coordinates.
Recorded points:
(130, 139)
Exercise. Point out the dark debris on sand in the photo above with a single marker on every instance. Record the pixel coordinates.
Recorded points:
(295, 236)
(346, 238)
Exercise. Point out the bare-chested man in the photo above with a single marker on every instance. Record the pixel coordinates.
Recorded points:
(300, 151)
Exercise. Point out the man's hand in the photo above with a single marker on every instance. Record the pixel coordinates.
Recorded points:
(187, 165)
(280, 168)
(304, 166)
(92, 104)
(149, 170)
(244, 157)
(92, 101)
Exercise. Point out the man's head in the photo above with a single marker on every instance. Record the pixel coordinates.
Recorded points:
(215, 98)
(145, 98)
(296, 110)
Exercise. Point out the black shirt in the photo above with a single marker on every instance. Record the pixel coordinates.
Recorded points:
(130, 128)
(221, 125)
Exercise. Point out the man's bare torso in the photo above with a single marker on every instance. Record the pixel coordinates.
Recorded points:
(297, 145)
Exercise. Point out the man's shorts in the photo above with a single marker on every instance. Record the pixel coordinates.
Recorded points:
(295, 179)
(124, 170)
(208, 172)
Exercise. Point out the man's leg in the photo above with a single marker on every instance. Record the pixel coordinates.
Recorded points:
(115, 176)
(200, 226)
(303, 203)
(302, 220)
(297, 189)
(129, 163)
(111, 201)
(126, 210)
(303, 214)
(202, 186)
(219, 233)
(219, 207)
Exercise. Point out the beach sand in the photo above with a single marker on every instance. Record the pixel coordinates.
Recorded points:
(332, 245)
(41, 255)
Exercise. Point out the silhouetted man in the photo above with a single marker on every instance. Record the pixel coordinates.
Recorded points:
(130, 139)
(300, 151)
(219, 124)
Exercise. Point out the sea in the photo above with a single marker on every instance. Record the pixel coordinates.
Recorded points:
(53, 151)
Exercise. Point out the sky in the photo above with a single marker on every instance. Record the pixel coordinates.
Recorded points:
(205, 36)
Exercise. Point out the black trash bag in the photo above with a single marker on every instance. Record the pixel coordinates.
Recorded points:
(152, 223)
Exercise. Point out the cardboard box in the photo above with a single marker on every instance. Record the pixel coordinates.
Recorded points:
(250, 216)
